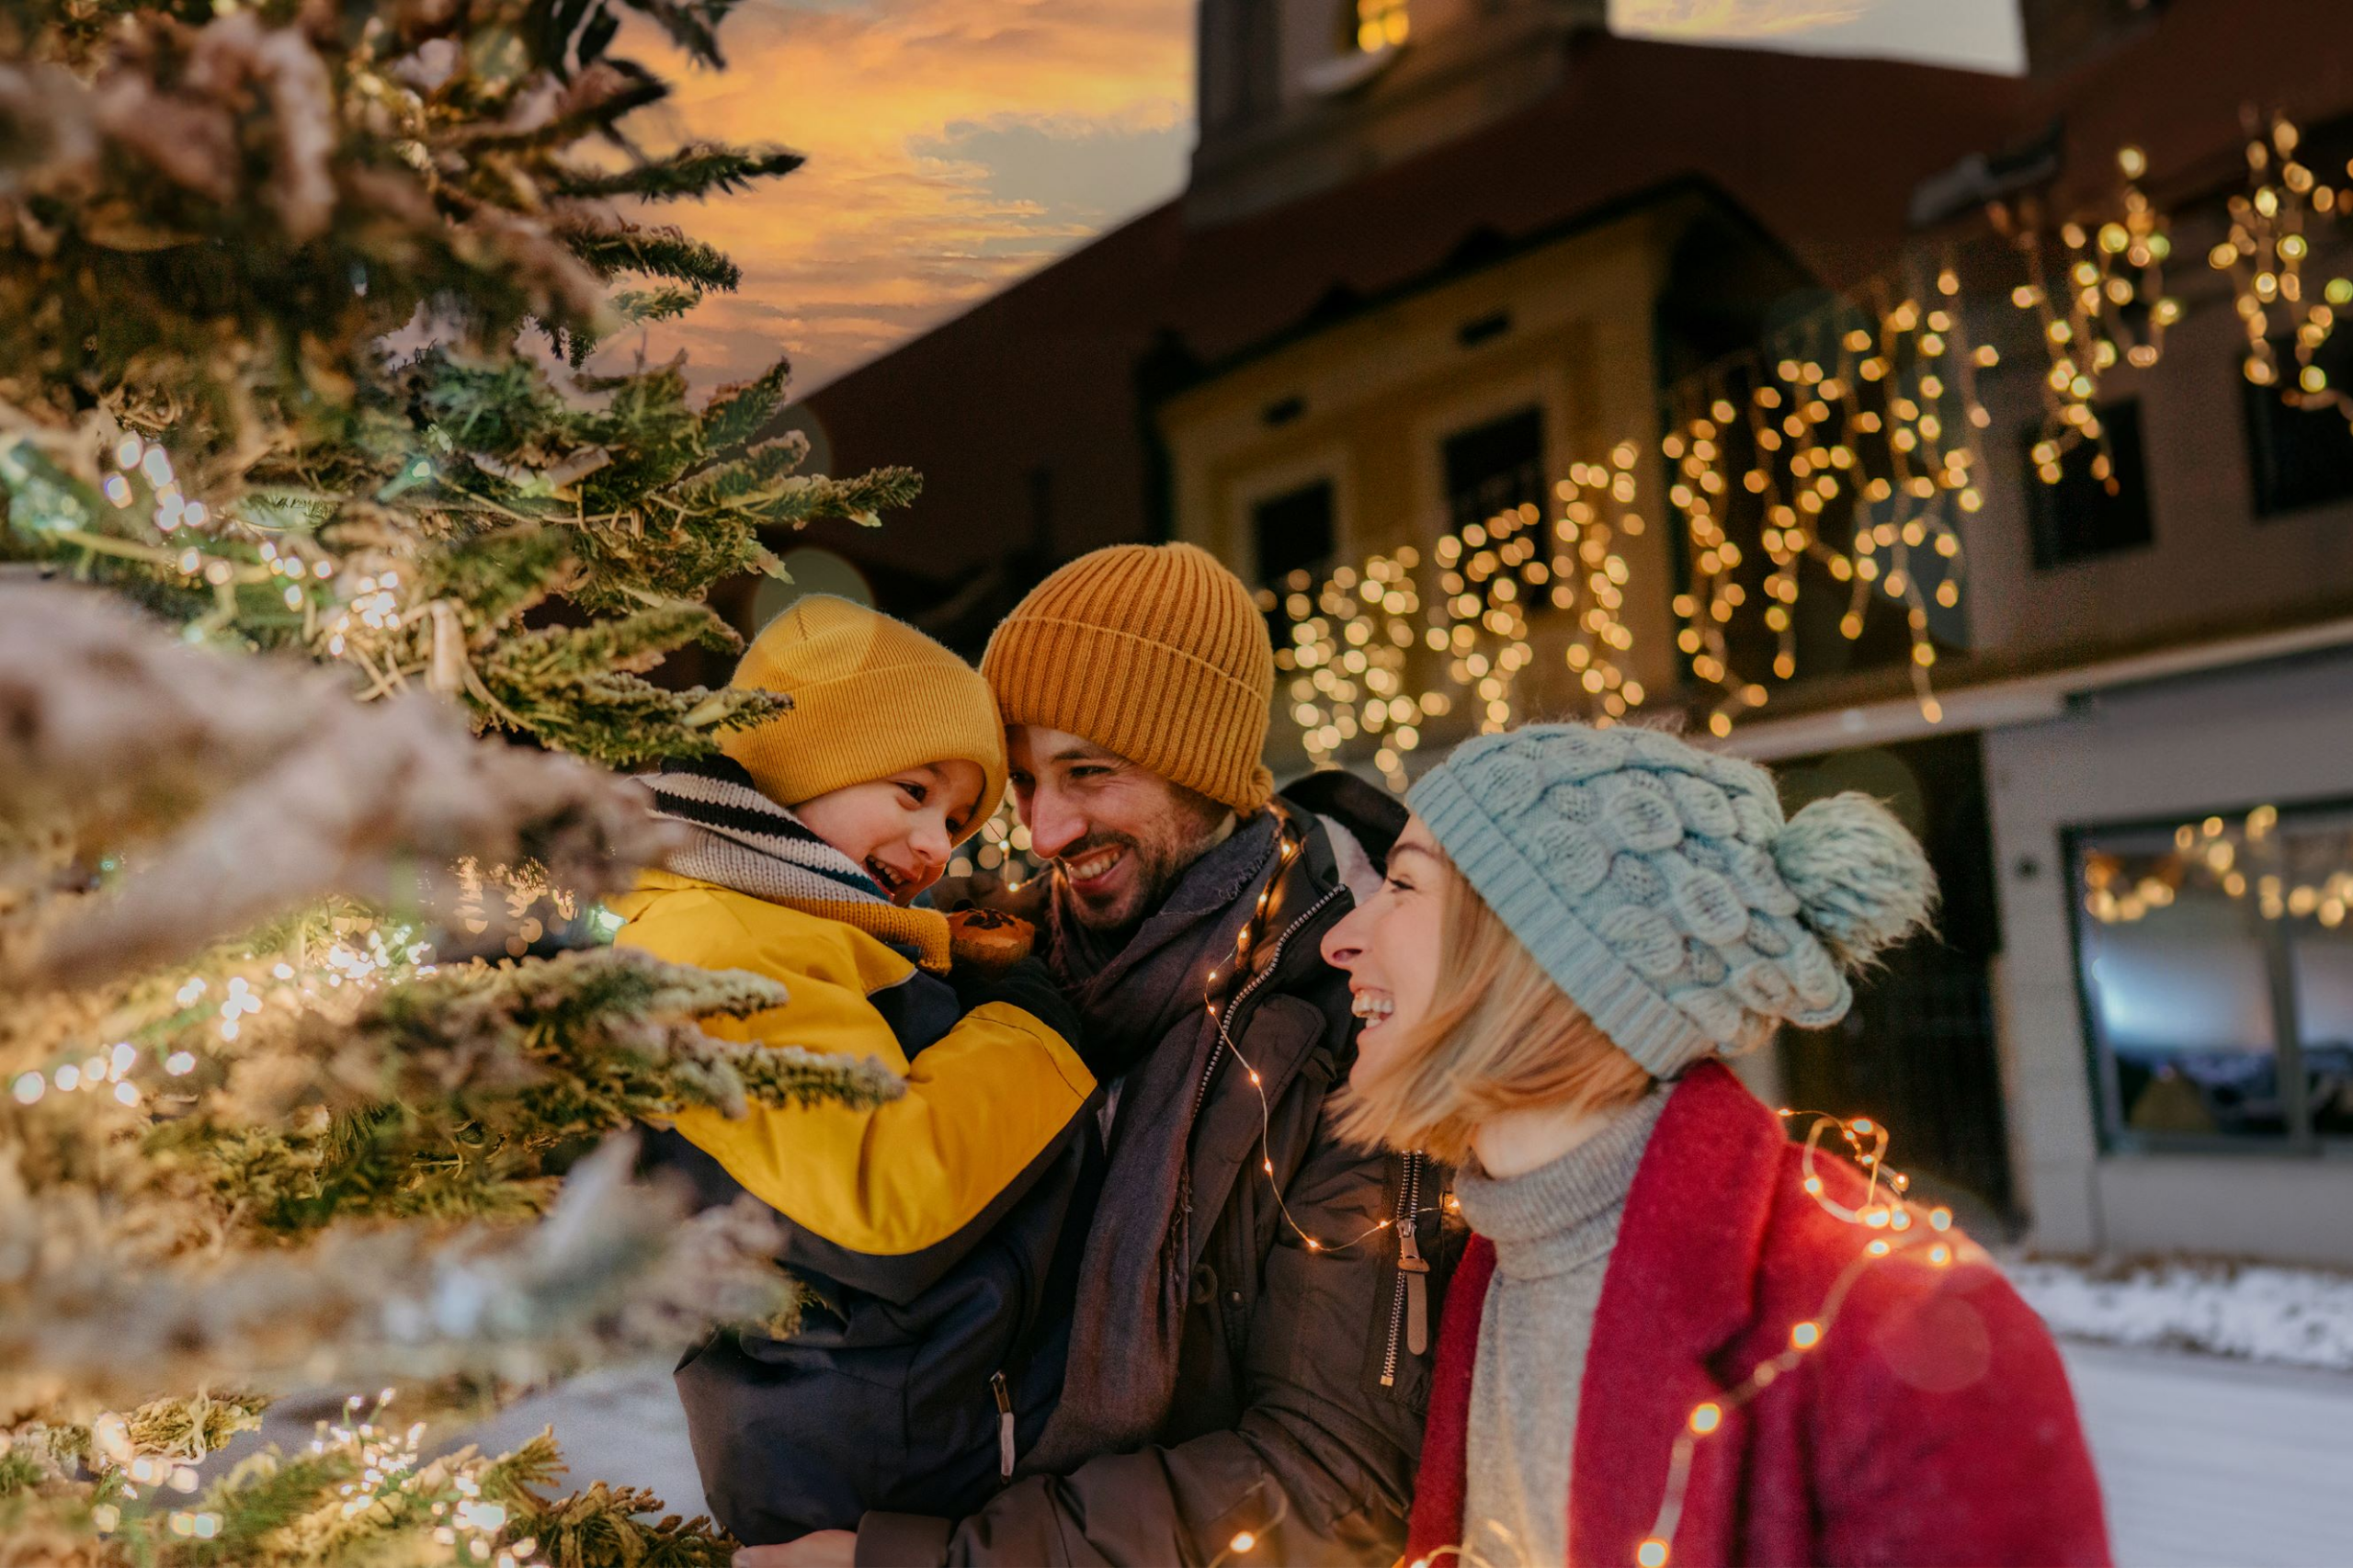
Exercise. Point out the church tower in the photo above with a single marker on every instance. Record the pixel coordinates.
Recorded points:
(1297, 96)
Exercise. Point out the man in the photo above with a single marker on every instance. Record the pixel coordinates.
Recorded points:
(1249, 1350)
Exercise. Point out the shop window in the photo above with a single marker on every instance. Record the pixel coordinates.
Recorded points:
(2216, 962)
(1495, 467)
(2099, 503)
(2300, 452)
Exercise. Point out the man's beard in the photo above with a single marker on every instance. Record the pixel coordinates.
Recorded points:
(1154, 868)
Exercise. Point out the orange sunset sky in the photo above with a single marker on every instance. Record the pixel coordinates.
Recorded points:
(955, 145)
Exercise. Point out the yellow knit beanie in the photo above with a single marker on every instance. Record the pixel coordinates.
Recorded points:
(1154, 651)
(870, 695)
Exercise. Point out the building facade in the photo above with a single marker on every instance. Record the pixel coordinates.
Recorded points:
(1491, 347)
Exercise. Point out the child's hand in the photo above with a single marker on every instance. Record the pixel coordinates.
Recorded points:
(825, 1549)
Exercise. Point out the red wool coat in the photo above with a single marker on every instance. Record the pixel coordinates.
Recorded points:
(1933, 1426)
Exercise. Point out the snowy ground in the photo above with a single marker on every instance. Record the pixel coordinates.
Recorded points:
(2209, 1463)
(2295, 1317)
(2206, 1462)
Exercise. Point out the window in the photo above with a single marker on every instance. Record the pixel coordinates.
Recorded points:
(1374, 25)
(2216, 962)
(2088, 513)
(1293, 533)
(1495, 466)
(2302, 455)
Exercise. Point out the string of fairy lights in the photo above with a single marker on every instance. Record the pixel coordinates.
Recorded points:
(1860, 454)
(1845, 458)
(2107, 307)
(1899, 1229)
(326, 964)
(2236, 860)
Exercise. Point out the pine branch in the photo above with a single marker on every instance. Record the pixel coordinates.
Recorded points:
(665, 303)
(457, 1096)
(607, 1524)
(615, 1271)
(655, 252)
(595, 100)
(308, 1155)
(697, 170)
(762, 482)
(693, 25)
(737, 414)
(122, 725)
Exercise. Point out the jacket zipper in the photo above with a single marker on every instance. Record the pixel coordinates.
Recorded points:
(1409, 1313)
(1004, 1425)
(1224, 1019)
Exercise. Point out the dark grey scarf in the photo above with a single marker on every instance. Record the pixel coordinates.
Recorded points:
(1133, 993)
(1145, 1019)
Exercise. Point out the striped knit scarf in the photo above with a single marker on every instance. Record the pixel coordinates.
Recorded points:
(743, 840)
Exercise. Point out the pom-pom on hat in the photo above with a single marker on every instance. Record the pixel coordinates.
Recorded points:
(1660, 887)
(870, 695)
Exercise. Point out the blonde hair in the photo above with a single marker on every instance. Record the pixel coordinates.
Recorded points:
(1503, 1037)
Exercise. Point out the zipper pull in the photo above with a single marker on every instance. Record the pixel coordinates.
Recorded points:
(1413, 1268)
(1004, 1425)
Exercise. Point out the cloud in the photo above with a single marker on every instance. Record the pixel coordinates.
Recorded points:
(1983, 34)
(953, 146)
(1733, 18)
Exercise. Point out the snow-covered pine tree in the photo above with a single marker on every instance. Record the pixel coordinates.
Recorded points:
(295, 302)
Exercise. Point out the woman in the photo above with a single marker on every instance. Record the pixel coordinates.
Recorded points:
(1678, 1335)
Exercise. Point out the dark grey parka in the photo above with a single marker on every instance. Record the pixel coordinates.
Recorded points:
(1302, 1374)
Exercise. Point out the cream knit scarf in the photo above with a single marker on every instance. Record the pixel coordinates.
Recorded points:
(743, 840)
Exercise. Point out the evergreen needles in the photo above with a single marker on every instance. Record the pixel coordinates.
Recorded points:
(312, 1075)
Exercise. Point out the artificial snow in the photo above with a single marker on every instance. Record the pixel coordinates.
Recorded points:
(2294, 1317)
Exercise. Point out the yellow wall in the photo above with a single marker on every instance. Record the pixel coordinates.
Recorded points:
(1383, 390)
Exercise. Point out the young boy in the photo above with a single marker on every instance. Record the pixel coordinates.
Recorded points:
(930, 1229)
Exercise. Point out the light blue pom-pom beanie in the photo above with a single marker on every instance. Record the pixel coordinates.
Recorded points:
(1660, 887)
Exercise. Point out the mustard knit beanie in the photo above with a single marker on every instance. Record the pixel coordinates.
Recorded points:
(870, 695)
(1152, 651)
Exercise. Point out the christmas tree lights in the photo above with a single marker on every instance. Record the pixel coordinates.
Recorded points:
(301, 312)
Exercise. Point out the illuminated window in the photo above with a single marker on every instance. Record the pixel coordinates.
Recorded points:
(2099, 502)
(2216, 960)
(2300, 453)
(1381, 24)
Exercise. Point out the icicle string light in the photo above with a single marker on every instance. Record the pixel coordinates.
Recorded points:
(2104, 305)
(1869, 410)
(1882, 439)
(2266, 256)
(1855, 465)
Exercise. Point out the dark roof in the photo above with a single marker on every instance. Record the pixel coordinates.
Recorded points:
(1822, 154)
(2181, 90)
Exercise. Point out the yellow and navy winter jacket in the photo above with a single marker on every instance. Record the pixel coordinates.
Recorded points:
(933, 1231)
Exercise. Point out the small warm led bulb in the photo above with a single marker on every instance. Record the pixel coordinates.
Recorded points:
(1652, 1553)
(1806, 1336)
(1707, 1419)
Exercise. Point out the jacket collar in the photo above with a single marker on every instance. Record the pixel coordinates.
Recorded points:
(1681, 1287)
(922, 935)
(1696, 1213)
